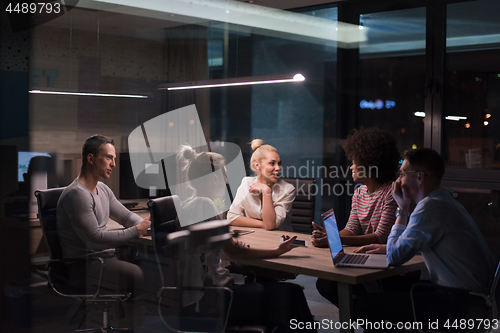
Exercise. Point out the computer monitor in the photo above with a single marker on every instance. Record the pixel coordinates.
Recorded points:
(23, 162)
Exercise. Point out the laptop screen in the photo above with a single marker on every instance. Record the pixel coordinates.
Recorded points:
(332, 232)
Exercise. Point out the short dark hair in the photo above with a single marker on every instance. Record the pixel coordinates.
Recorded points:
(428, 160)
(92, 145)
(373, 147)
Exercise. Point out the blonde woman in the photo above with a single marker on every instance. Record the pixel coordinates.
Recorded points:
(275, 303)
(265, 200)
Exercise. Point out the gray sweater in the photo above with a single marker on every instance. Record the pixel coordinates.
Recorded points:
(82, 217)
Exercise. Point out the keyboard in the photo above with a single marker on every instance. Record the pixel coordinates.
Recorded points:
(355, 259)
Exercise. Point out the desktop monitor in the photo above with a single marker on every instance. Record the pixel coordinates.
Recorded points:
(23, 162)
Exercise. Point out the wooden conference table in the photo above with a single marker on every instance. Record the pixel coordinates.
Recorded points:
(311, 261)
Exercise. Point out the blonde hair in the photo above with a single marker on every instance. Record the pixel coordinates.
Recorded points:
(259, 152)
(199, 164)
(194, 165)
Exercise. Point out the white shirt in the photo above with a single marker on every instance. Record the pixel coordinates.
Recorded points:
(249, 205)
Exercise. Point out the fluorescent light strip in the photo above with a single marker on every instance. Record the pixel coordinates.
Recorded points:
(84, 94)
(455, 118)
(242, 82)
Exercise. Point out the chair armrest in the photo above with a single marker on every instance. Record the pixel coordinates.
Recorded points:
(192, 288)
(451, 290)
(227, 308)
(426, 285)
(81, 261)
(422, 285)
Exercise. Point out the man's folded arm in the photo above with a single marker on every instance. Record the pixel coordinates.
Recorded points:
(401, 245)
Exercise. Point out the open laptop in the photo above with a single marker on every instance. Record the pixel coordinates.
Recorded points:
(341, 259)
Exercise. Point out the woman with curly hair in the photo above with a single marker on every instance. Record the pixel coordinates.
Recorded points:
(375, 161)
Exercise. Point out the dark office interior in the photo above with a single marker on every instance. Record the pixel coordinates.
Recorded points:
(427, 71)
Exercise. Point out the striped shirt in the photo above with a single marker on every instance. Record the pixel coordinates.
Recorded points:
(373, 213)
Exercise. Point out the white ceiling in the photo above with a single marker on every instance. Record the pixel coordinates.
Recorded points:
(392, 31)
(288, 4)
(249, 17)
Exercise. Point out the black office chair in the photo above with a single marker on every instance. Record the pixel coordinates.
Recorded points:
(58, 275)
(168, 244)
(479, 306)
(303, 205)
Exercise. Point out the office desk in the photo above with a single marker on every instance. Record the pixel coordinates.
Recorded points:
(144, 240)
(313, 261)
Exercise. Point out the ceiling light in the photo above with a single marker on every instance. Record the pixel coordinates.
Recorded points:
(419, 114)
(84, 94)
(241, 81)
(455, 118)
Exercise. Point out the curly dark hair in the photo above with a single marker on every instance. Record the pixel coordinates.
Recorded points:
(373, 147)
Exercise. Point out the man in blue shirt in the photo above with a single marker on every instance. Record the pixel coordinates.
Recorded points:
(439, 227)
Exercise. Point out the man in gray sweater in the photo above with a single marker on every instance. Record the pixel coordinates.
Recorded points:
(83, 212)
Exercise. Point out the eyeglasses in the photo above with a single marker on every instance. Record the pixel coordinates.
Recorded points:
(402, 173)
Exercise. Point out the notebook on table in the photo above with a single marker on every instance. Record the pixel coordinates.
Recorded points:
(341, 259)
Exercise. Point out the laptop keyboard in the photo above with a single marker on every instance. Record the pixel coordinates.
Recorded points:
(355, 259)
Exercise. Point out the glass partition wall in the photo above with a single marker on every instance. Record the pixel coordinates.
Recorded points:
(120, 55)
(427, 71)
(97, 68)
(391, 74)
(471, 111)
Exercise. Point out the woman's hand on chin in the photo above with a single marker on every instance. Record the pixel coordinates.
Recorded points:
(258, 188)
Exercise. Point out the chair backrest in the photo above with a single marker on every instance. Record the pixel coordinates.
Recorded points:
(47, 215)
(493, 290)
(206, 236)
(179, 255)
(304, 203)
(164, 219)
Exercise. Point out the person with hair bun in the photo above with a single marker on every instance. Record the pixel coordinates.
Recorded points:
(273, 303)
(263, 201)
(197, 190)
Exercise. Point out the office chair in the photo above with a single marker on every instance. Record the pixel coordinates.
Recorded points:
(303, 205)
(196, 239)
(58, 275)
(480, 306)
